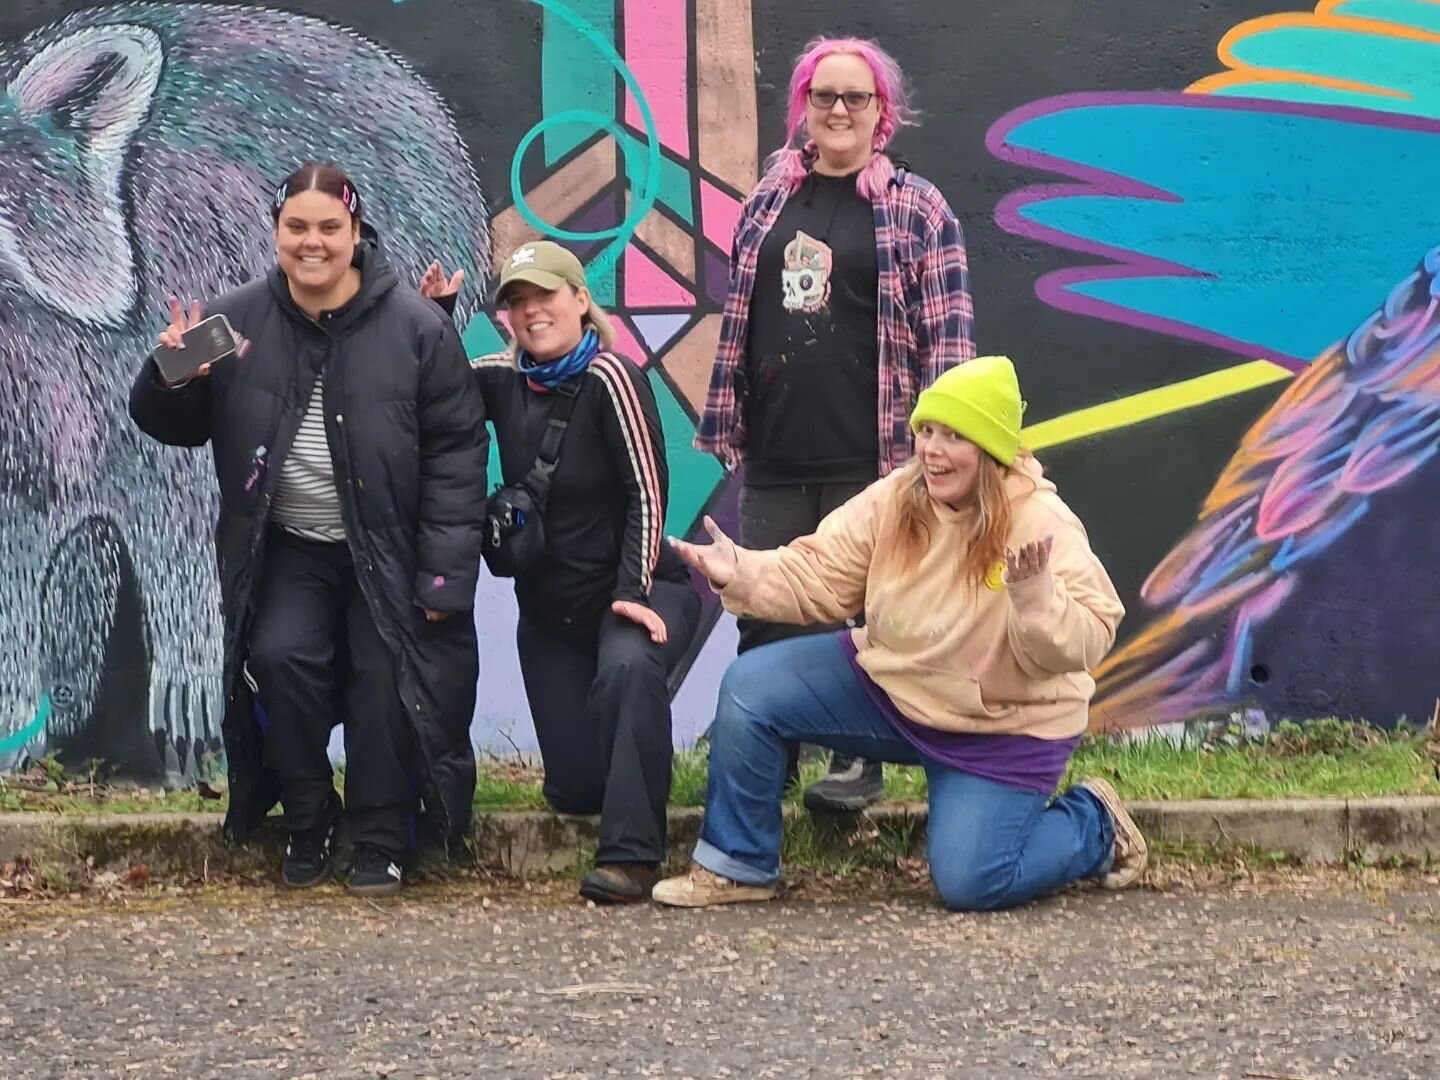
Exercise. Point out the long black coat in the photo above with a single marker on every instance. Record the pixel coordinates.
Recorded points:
(406, 427)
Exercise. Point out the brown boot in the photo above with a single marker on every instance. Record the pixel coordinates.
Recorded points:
(620, 883)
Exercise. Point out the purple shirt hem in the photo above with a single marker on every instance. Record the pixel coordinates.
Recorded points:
(1023, 762)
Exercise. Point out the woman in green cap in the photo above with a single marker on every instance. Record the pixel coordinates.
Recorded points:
(606, 609)
(985, 610)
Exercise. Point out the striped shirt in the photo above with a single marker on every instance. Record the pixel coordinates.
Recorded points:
(926, 317)
(306, 501)
(645, 516)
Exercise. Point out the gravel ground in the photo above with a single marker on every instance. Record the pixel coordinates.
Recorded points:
(1300, 979)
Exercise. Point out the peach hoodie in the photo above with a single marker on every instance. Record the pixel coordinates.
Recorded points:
(1000, 658)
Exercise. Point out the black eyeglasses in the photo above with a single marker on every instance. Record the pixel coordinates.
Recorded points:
(855, 100)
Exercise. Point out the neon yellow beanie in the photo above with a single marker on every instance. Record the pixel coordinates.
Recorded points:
(979, 399)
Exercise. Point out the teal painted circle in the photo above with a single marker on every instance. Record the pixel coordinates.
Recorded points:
(600, 122)
(644, 198)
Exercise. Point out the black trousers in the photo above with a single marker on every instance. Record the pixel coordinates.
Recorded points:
(316, 660)
(602, 717)
(770, 517)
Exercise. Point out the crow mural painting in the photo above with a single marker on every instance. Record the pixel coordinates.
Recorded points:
(1330, 501)
(1278, 212)
(139, 144)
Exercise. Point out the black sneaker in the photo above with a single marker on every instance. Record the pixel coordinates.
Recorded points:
(307, 857)
(373, 873)
(850, 786)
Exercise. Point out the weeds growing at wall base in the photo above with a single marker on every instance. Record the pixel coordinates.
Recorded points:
(1325, 758)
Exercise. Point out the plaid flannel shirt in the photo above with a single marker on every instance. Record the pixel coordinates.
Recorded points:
(925, 318)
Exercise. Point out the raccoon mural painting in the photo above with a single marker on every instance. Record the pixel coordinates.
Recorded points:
(140, 144)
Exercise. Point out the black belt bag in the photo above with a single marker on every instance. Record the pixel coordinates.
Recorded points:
(515, 513)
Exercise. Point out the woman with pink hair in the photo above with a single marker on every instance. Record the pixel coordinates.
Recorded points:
(848, 295)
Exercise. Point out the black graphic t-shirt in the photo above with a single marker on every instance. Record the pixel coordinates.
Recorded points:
(812, 359)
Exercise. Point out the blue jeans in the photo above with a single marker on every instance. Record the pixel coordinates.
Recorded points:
(990, 846)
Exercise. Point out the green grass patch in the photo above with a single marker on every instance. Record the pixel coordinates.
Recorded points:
(1324, 758)
(1153, 770)
(110, 801)
(506, 791)
(688, 775)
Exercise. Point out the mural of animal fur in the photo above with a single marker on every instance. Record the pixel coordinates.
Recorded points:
(139, 145)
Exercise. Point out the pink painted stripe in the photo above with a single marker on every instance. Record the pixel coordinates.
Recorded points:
(648, 286)
(627, 344)
(718, 214)
(643, 459)
(657, 51)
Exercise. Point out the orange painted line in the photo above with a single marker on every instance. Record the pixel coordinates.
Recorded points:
(1241, 71)
(1325, 7)
(1350, 23)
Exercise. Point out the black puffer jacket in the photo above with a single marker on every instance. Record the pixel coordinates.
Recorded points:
(406, 427)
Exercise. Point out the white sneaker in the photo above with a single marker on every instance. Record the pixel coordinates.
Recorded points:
(1132, 854)
(701, 888)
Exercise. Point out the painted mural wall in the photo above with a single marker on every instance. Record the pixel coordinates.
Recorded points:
(1206, 236)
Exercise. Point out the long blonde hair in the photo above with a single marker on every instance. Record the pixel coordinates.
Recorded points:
(990, 519)
(599, 318)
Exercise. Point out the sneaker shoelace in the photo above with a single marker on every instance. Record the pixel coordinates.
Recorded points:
(708, 879)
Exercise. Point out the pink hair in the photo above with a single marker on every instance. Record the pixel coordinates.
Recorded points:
(790, 163)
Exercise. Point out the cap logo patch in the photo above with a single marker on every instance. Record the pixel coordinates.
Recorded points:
(522, 257)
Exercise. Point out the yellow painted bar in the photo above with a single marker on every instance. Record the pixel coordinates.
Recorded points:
(1137, 408)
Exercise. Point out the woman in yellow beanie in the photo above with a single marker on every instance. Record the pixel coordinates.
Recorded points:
(985, 610)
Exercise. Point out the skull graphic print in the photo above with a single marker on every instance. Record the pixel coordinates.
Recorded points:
(806, 276)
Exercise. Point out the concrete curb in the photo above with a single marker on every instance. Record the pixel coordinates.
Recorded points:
(1318, 831)
(528, 843)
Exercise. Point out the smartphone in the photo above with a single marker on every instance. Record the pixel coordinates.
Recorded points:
(207, 341)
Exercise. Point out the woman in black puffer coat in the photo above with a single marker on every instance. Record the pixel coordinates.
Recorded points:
(349, 443)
